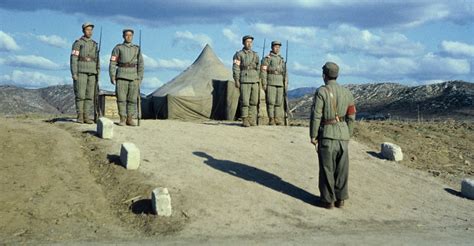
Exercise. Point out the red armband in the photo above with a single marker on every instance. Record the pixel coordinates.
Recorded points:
(351, 110)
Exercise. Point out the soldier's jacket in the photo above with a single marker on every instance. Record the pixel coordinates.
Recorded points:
(245, 66)
(124, 61)
(323, 123)
(273, 70)
(84, 57)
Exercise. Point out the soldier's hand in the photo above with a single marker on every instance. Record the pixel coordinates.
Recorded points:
(314, 141)
(112, 81)
(237, 84)
(264, 87)
(74, 77)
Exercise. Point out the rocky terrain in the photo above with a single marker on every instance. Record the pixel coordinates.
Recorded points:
(452, 99)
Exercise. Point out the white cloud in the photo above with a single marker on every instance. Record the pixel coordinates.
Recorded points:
(53, 40)
(171, 64)
(457, 49)
(7, 43)
(231, 36)
(296, 34)
(31, 79)
(31, 61)
(428, 67)
(190, 40)
(345, 38)
(151, 83)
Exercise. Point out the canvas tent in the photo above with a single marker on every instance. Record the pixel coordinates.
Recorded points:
(205, 90)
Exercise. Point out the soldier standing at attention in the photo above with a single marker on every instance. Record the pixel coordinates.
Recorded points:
(246, 76)
(331, 126)
(126, 72)
(85, 66)
(273, 74)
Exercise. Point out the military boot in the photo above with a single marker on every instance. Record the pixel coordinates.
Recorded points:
(278, 122)
(122, 121)
(252, 121)
(87, 120)
(130, 121)
(271, 121)
(245, 122)
(80, 118)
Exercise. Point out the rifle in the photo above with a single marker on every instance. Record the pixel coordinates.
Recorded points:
(97, 107)
(285, 88)
(139, 101)
(260, 86)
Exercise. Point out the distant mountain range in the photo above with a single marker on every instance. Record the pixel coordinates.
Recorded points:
(451, 99)
(49, 100)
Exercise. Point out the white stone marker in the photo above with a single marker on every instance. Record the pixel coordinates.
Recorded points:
(161, 202)
(105, 128)
(467, 188)
(391, 152)
(130, 156)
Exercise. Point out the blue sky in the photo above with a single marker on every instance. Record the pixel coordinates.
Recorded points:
(410, 42)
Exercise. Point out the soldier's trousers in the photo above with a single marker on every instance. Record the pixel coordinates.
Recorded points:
(275, 101)
(249, 100)
(333, 156)
(84, 88)
(127, 97)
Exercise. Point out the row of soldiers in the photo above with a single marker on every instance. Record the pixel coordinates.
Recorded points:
(332, 113)
(249, 75)
(125, 71)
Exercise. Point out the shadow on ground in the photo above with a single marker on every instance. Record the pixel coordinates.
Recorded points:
(142, 206)
(261, 177)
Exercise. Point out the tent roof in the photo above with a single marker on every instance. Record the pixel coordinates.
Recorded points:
(196, 80)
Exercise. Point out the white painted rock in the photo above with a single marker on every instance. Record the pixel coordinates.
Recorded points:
(161, 202)
(130, 156)
(467, 188)
(391, 152)
(105, 128)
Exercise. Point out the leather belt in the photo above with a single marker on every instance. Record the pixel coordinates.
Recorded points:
(248, 68)
(275, 72)
(333, 121)
(87, 59)
(127, 65)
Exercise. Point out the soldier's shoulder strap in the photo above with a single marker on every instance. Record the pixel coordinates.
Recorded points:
(79, 40)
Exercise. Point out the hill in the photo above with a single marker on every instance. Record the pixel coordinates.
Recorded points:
(452, 99)
(50, 100)
(74, 189)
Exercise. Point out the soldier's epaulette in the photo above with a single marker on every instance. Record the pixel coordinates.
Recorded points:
(320, 89)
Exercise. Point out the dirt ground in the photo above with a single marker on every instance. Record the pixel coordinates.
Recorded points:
(61, 183)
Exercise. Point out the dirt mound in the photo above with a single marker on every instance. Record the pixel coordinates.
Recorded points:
(61, 183)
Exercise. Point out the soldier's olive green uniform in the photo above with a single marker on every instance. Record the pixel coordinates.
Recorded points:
(126, 68)
(331, 122)
(84, 66)
(273, 74)
(245, 71)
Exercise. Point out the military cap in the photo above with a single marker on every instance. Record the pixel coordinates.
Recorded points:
(331, 69)
(276, 43)
(128, 30)
(87, 24)
(246, 37)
